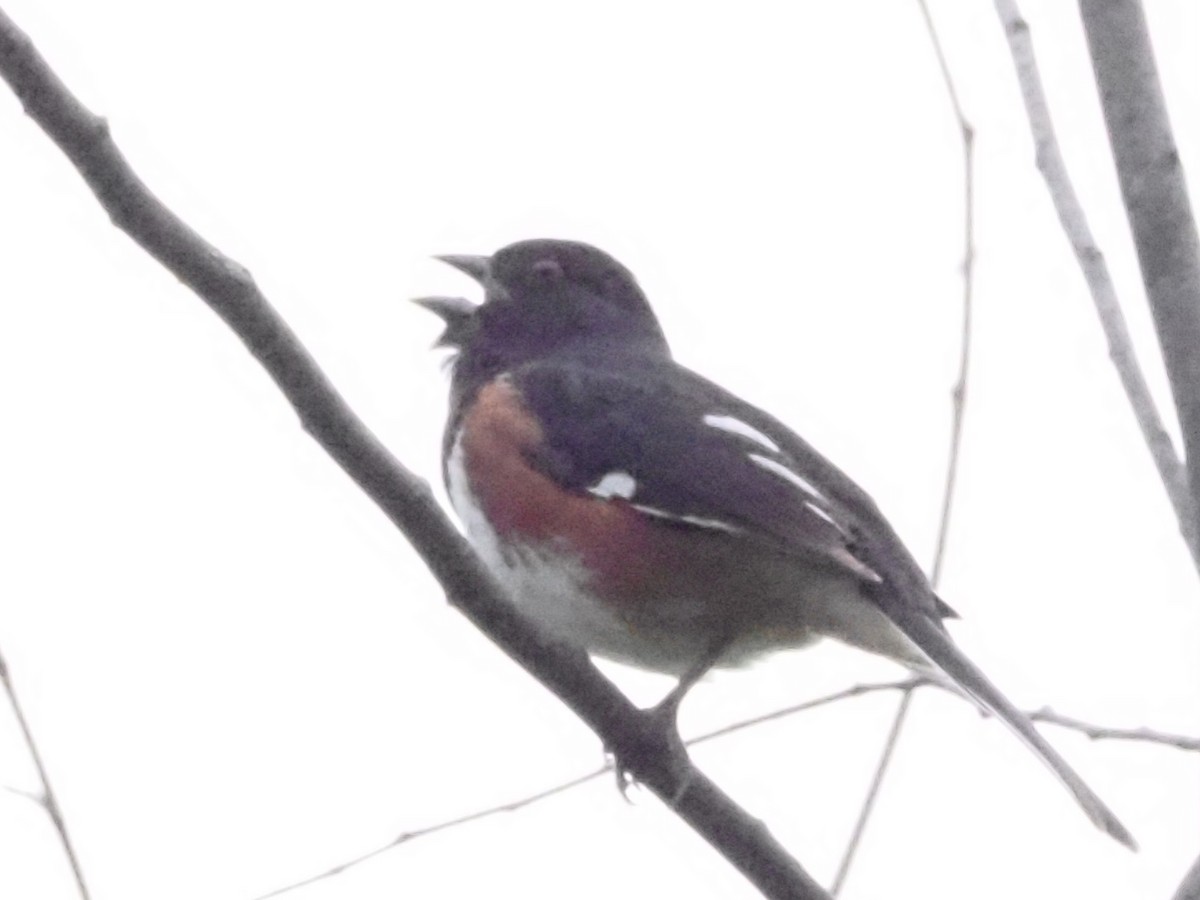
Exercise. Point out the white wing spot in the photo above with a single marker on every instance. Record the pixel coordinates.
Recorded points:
(786, 474)
(614, 484)
(738, 427)
(698, 521)
(824, 515)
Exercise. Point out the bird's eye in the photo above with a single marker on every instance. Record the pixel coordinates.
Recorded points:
(548, 269)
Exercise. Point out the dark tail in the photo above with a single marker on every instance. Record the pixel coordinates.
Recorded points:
(939, 648)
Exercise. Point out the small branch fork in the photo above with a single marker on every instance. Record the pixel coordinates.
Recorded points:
(46, 797)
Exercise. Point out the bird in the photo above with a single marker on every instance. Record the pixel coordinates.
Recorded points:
(635, 509)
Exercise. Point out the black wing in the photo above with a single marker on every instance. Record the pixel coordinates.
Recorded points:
(688, 453)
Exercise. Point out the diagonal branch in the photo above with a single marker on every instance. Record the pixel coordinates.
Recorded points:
(1095, 272)
(46, 798)
(644, 747)
(1155, 194)
(1156, 199)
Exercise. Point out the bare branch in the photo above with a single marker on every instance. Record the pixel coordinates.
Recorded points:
(858, 690)
(651, 753)
(1101, 733)
(407, 836)
(34, 797)
(1156, 198)
(46, 799)
(958, 400)
(881, 770)
(1095, 272)
(958, 394)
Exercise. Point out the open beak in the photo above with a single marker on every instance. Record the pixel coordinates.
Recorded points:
(457, 312)
(478, 267)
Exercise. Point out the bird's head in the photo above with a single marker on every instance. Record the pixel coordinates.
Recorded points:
(542, 297)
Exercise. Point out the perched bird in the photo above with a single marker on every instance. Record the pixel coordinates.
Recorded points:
(639, 511)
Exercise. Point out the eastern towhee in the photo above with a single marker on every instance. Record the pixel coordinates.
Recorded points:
(642, 512)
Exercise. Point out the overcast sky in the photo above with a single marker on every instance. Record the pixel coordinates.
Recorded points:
(240, 674)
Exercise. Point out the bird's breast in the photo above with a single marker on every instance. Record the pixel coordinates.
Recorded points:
(496, 489)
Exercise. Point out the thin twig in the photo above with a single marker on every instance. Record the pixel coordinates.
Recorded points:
(958, 400)
(646, 748)
(1095, 272)
(47, 798)
(958, 397)
(860, 827)
(858, 690)
(407, 836)
(1102, 733)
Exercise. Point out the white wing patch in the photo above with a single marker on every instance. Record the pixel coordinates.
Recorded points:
(813, 508)
(740, 428)
(621, 485)
(698, 521)
(786, 474)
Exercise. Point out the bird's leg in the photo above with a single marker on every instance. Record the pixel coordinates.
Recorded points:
(667, 709)
(665, 714)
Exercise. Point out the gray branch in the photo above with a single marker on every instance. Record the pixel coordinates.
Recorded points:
(649, 752)
(1156, 198)
(1095, 272)
(1155, 193)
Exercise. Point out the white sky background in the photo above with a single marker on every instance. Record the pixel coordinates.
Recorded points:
(240, 674)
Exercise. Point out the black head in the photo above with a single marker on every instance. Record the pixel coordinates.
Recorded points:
(542, 297)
